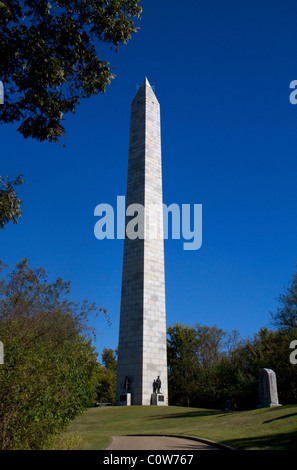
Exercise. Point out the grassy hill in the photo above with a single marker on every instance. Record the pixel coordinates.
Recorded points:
(263, 429)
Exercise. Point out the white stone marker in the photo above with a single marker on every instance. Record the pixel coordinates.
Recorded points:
(1, 353)
(268, 395)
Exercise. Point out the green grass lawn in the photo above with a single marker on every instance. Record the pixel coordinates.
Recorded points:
(261, 429)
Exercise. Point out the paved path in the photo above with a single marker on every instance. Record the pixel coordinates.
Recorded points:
(156, 443)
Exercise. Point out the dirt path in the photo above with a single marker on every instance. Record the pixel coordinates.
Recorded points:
(156, 443)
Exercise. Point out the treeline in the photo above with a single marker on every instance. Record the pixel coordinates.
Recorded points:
(208, 366)
(212, 368)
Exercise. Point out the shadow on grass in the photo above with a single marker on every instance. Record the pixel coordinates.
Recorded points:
(281, 417)
(189, 414)
(283, 441)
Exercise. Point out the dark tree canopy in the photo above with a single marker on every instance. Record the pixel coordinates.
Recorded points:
(10, 204)
(49, 59)
(286, 315)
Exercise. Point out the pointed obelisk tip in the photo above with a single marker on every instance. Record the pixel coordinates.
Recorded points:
(145, 83)
(143, 88)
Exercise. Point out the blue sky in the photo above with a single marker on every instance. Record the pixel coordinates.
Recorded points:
(221, 71)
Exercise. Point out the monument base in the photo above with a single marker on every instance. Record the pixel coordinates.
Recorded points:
(125, 399)
(157, 399)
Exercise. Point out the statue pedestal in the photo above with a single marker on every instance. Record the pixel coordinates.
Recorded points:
(125, 399)
(157, 399)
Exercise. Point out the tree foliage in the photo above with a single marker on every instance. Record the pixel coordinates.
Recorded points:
(49, 372)
(207, 366)
(109, 360)
(272, 350)
(194, 353)
(50, 60)
(286, 315)
(10, 204)
(106, 377)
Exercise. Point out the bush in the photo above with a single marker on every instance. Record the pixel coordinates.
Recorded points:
(49, 374)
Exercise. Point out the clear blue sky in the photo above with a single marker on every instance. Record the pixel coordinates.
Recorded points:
(221, 71)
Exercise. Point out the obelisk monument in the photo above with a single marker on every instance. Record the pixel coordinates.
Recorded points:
(142, 350)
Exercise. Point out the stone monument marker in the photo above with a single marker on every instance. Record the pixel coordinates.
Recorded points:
(142, 354)
(268, 395)
(1, 353)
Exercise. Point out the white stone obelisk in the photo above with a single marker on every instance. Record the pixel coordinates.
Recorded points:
(142, 349)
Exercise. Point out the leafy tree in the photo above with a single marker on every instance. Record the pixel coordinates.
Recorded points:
(272, 351)
(49, 373)
(239, 371)
(106, 377)
(182, 351)
(9, 202)
(109, 359)
(208, 366)
(49, 57)
(194, 354)
(286, 315)
(210, 342)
